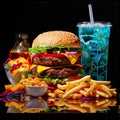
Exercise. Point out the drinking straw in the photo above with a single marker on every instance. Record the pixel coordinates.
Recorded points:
(91, 14)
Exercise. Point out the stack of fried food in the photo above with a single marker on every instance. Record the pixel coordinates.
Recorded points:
(84, 87)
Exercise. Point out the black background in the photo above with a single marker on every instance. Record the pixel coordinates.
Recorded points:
(37, 16)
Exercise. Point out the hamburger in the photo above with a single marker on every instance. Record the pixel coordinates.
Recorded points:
(55, 57)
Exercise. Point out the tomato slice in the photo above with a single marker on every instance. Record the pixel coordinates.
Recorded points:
(48, 55)
(51, 88)
(74, 77)
(51, 104)
(33, 77)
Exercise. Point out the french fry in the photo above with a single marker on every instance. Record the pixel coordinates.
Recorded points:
(103, 104)
(90, 106)
(8, 87)
(113, 102)
(98, 103)
(58, 91)
(90, 89)
(107, 104)
(82, 80)
(59, 109)
(86, 89)
(76, 96)
(113, 90)
(71, 101)
(62, 87)
(60, 95)
(17, 87)
(75, 107)
(106, 89)
(102, 94)
(101, 82)
(69, 85)
(23, 76)
(83, 92)
(97, 96)
(74, 89)
(101, 108)
(59, 103)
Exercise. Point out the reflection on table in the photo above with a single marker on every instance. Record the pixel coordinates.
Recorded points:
(56, 105)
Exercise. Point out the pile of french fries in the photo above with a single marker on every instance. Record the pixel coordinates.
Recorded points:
(84, 87)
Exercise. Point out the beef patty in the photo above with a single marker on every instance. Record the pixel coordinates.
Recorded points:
(50, 61)
(59, 72)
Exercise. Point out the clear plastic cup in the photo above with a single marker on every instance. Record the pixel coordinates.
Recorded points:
(95, 46)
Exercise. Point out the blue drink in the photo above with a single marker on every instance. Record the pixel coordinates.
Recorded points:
(95, 44)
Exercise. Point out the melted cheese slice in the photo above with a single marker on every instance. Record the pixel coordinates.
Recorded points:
(72, 58)
(42, 68)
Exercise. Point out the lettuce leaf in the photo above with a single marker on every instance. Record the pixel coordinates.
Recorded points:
(58, 49)
(7, 67)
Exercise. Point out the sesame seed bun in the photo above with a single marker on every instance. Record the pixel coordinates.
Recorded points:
(57, 38)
